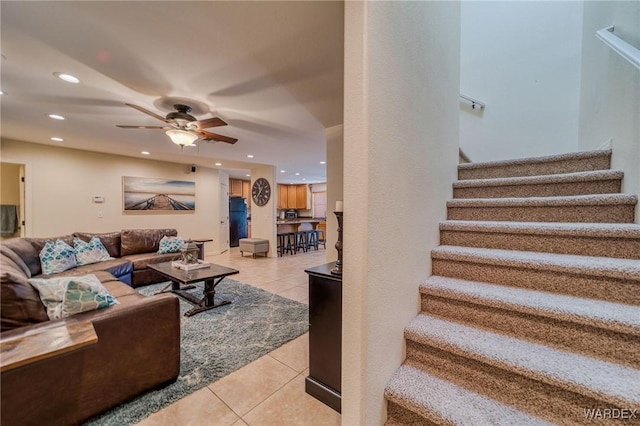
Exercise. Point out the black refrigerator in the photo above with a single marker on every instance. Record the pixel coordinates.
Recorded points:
(237, 220)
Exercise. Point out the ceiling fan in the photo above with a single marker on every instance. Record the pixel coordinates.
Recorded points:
(183, 128)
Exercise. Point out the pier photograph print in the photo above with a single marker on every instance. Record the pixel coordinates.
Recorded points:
(153, 195)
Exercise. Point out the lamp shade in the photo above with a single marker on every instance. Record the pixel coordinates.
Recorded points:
(182, 137)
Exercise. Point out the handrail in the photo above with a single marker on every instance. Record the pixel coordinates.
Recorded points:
(474, 102)
(621, 47)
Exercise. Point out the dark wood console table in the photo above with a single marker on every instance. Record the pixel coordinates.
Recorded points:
(325, 335)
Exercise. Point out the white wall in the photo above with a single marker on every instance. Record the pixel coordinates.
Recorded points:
(263, 218)
(522, 58)
(400, 155)
(610, 90)
(61, 183)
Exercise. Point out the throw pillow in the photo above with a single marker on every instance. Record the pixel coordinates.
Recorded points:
(91, 252)
(65, 296)
(170, 245)
(56, 257)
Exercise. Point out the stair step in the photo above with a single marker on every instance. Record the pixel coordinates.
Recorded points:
(603, 208)
(548, 165)
(606, 330)
(616, 280)
(579, 183)
(593, 239)
(438, 401)
(591, 378)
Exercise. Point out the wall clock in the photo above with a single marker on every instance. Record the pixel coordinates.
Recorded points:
(261, 191)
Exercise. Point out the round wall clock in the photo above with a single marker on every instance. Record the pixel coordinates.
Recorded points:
(261, 191)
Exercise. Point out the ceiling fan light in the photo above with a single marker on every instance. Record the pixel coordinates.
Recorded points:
(181, 137)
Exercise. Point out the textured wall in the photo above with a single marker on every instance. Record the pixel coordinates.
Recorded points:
(610, 91)
(61, 183)
(400, 155)
(522, 58)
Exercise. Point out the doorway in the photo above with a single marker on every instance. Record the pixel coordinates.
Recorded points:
(12, 200)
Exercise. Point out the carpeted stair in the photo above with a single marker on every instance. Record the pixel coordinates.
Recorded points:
(532, 315)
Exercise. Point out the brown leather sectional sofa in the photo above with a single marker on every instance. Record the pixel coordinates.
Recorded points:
(138, 346)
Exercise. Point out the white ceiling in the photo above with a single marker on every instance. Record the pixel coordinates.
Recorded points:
(272, 70)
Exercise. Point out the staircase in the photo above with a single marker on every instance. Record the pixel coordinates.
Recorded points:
(532, 315)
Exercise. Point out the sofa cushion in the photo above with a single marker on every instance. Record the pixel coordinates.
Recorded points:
(170, 245)
(25, 251)
(66, 296)
(110, 240)
(8, 252)
(143, 240)
(91, 252)
(20, 303)
(38, 243)
(116, 267)
(57, 257)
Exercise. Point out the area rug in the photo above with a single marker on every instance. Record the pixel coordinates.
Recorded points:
(217, 342)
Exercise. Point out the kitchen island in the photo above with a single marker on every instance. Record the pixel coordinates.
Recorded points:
(296, 225)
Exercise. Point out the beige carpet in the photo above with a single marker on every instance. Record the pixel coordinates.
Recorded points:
(532, 315)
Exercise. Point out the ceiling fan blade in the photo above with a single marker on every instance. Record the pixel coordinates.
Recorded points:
(143, 127)
(210, 122)
(146, 111)
(215, 137)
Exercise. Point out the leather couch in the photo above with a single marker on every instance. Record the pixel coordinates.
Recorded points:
(138, 345)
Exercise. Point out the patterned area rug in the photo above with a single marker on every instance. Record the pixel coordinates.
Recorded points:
(217, 342)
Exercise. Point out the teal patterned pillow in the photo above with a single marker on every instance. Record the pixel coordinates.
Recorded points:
(91, 252)
(57, 257)
(170, 245)
(65, 296)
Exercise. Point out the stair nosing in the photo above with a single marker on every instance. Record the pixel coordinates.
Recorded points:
(589, 176)
(607, 267)
(567, 200)
(447, 393)
(577, 229)
(563, 307)
(554, 367)
(536, 160)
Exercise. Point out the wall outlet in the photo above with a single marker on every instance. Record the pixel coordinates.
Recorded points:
(100, 214)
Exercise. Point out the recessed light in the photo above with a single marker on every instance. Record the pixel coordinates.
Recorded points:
(249, 156)
(1, 92)
(67, 77)
(57, 139)
(56, 117)
(304, 178)
(323, 162)
(218, 164)
(247, 175)
(282, 171)
(297, 174)
(145, 153)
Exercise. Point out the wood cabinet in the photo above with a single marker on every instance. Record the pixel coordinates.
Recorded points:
(240, 188)
(235, 188)
(292, 196)
(325, 336)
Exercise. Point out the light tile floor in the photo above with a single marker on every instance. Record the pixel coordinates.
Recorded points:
(270, 390)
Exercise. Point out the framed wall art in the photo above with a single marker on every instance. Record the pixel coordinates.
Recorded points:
(157, 195)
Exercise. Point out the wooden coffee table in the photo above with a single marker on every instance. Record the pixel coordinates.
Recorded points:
(181, 280)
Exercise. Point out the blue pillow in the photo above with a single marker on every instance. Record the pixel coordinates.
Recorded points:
(170, 245)
(57, 257)
(91, 252)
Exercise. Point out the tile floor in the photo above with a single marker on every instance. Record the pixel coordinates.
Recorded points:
(270, 390)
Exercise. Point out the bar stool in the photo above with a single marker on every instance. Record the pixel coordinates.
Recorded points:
(319, 241)
(285, 244)
(312, 239)
(301, 241)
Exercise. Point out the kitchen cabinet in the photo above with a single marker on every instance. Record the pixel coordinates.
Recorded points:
(246, 191)
(235, 188)
(292, 197)
(283, 197)
(301, 197)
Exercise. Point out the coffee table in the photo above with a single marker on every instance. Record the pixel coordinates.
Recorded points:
(181, 280)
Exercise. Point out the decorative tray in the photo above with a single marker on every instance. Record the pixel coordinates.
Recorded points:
(191, 266)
